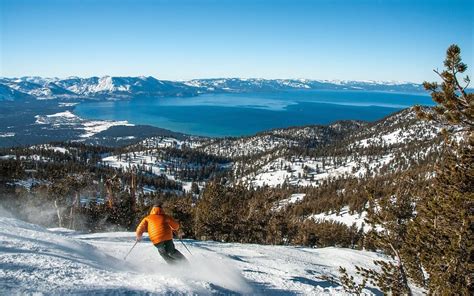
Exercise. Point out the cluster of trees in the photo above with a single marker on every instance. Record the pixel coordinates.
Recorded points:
(428, 231)
(187, 164)
(220, 212)
(70, 189)
(237, 214)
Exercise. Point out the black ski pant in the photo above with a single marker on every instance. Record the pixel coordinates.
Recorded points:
(169, 252)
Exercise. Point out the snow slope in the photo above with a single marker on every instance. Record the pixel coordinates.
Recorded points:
(61, 262)
(344, 216)
(281, 170)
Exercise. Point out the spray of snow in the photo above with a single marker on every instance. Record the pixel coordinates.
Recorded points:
(5, 213)
(215, 272)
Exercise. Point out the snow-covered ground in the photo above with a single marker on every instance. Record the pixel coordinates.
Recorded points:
(312, 171)
(151, 160)
(401, 136)
(6, 135)
(345, 217)
(90, 127)
(50, 147)
(246, 146)
(294, 198)
(62, 262)
(139, 159)
(166, 142)
(96, 126)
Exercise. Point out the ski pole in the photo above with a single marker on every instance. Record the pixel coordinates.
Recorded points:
(185, 246)
(125, 258)
(182, 243)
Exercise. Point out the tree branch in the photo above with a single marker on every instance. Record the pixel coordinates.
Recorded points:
(462, 100)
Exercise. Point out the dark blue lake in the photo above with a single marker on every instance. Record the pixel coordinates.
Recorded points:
(248, 113)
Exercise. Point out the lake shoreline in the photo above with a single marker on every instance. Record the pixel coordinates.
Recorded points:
(245, 114)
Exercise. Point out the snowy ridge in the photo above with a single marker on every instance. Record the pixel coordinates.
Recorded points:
(278, 140)
(128, 87)
(153, 160)
(95, 87)
(401, 128)
(313, 171)
(164, 142)
(394, 142)
(148, 161)
(62, 262)
(8, 93)
(259, 84)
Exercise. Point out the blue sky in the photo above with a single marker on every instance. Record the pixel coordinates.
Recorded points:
(175, 39)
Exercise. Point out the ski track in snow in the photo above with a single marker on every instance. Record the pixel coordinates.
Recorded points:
(63, 262)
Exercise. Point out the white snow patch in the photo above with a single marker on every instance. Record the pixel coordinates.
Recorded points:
(53, 148)
(59, 149)
(67, 114)
(126, 138)
(6, 135)
(344, 217)
(294, 198)
(8, 156)
(62, 104)
(40, 120)
(67, 118)
(93, 127)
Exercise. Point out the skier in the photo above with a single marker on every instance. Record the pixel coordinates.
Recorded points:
(160, 228)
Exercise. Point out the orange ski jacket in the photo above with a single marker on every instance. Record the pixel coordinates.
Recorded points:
(158, 225)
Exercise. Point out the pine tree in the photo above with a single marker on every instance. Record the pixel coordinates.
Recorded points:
(443, 230)
(454, 104)
(348, 283)
(442, 234)
(209, 219)
(181, 208)
(390, 217)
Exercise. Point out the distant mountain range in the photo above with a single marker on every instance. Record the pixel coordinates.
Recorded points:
(109, 87)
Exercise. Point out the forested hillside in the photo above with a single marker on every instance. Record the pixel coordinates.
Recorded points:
(204, 181)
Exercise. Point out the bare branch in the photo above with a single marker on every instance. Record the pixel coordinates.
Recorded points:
(459, 87)
(463, 98)
(468, 81)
